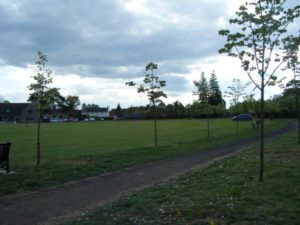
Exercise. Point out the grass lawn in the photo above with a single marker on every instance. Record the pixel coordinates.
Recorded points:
(76, 150)
(226, 192)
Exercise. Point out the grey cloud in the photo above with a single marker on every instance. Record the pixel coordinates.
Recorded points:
(178, 67)
(176, 84)
(96, 38)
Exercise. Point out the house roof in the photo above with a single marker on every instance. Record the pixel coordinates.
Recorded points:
(12, 109)
(96, 110)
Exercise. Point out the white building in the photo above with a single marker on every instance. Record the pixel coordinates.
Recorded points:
(96, 112)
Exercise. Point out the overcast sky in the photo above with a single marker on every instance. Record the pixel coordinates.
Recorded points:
(95, 46)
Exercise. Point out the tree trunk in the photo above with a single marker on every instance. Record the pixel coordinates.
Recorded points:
(237, 121)
(298, 115)
(262, 117)
(38, 144)
(155, 127)
(208, 126)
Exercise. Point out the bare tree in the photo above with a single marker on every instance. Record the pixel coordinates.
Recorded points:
(235, 91)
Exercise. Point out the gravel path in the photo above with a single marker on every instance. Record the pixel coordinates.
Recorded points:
(58, 204)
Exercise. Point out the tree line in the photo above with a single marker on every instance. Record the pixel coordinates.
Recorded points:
(278, 106)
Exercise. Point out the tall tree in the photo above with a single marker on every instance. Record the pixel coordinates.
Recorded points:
(118, 110)
(56, 101)
(179, 109)
(203, 97)
(202, 89)
(259, 46)
(235, 91)
(152, 87)
(42, 94)
(215, 94)
(170, 111)
(70, 104)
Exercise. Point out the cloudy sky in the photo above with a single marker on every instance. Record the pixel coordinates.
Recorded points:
(95, 46)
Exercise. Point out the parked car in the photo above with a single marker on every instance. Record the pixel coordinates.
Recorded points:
(89, 119)
(242, 117)
(56, 120)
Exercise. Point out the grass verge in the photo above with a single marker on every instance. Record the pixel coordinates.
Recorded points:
(226, 192)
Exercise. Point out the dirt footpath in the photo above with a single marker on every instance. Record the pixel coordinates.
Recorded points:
(58, 204)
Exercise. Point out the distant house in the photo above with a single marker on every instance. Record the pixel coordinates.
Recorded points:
(17, 112)
(60, 113)
(96, 112)
(54, 113)
(117, 113)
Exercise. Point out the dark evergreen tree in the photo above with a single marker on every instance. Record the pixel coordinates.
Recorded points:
(118, 107)
(118, 110)
(215, 94)
(203, 91)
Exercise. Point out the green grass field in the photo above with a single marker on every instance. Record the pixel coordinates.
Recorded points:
(226, 192)
(76, 150)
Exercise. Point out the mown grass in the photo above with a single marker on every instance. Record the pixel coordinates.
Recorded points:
(226, 192)
(78, 150)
